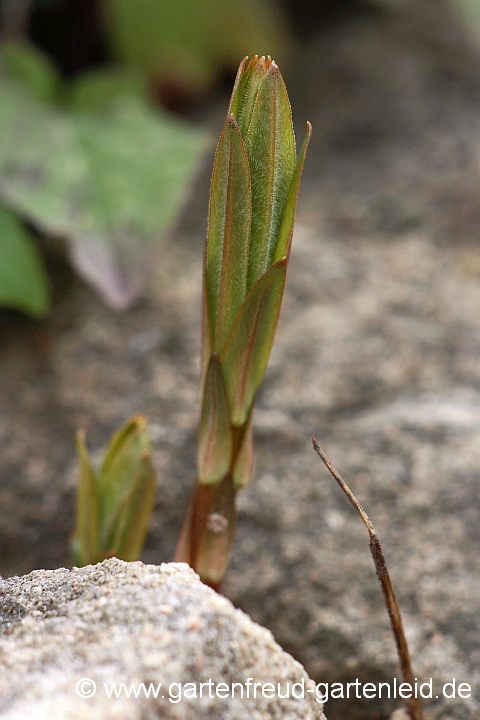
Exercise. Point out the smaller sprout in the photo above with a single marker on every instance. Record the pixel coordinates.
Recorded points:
(114, 503)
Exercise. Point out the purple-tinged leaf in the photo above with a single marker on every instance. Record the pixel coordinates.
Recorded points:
(206, 340)
(109, 180)
(229, 222)
(214, 443)
(250, 76)
(213, 529)
(285, 232)
(270, 145)
(245, 356)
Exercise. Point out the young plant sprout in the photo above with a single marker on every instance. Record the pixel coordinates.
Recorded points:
(255, 182)
(114, 504)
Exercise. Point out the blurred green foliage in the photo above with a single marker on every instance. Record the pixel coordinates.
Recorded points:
(93, 163)
(23, 281)
(187, 42)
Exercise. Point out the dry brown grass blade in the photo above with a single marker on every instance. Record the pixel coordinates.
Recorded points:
(393, 608)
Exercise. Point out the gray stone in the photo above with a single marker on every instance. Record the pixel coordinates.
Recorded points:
(63, 631)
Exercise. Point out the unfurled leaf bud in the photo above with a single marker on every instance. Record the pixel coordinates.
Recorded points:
(253, 196)
(255, 182)
(114, 505)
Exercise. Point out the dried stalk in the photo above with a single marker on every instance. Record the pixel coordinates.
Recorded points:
(413, 704)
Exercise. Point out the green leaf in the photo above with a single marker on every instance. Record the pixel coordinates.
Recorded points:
(245, 356)
(249, 78)
(111, 183)
(114, 506)
(119, 474)
(229, 222)
(270, 144)
(133, 520)
(180, 39)
(119, 449)
(85, 543)
(23, 279)
(206, 340)
(98, 90)
(138, 165)
(286, 227)
(214, 442)
(29, 68)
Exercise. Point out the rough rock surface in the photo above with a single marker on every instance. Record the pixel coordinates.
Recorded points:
(377, 354)
(132, 623)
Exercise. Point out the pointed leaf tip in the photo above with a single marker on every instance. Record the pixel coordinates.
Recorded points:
(285, 232)
(270, 144)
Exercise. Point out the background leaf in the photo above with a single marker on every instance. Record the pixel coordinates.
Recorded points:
(23, 280)
(180, 39)
(31, 69)
(110, 183)
(97, 90)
